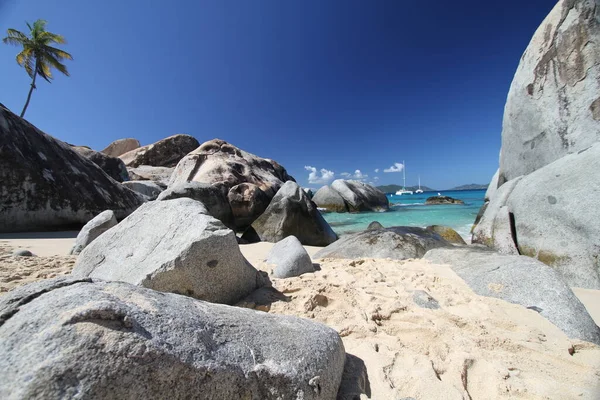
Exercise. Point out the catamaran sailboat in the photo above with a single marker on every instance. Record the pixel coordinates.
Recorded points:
(419, 189)
(403, 190)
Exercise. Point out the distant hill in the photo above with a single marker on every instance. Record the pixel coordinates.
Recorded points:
(472, 186)
(395, 188)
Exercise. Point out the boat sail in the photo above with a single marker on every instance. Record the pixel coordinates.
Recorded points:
(419, 189)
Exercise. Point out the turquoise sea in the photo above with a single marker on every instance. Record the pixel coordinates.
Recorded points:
(410, 210)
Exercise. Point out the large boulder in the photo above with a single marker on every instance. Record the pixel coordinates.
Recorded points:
(492, 187)
(172, 246)
(330, 200)
(211, 196)
(96, 227)
(111, 340)
(45, 184)
(164, 153)
(521, 280)
(113, 166)
(150, 190)
(360, 196)
(217, 162)
(121, 146)
(551, 214)
(292, 213)
(289, 258)
(159, 175)
(553, 107)
(397, 243)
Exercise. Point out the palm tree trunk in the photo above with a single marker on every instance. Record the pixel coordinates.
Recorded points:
(30, 90)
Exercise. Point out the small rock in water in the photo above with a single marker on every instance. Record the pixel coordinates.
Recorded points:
(22, 253)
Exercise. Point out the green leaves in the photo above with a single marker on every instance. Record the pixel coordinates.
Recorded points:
(38, 55)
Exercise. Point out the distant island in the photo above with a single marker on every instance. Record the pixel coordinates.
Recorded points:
(395, 188)
(472, 186)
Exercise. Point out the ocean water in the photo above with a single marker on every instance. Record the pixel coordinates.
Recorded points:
(410, 210)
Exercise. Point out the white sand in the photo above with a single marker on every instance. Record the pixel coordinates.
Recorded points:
(472, 347)
(41, 243)
(591, 300)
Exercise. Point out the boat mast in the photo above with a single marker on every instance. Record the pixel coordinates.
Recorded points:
(404, 174)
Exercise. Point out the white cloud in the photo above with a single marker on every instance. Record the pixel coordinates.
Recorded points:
(376, 178)
(324, 177)
(359, 175)
(345, 174)
(377, 170)
(397, 167)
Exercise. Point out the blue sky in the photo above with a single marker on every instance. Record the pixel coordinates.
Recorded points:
(335, 85)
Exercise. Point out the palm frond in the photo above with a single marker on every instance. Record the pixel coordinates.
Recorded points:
(49, 37)
(58, 53)
(55, 62)
(44, 71)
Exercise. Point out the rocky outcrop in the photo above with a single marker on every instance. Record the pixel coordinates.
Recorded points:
(113, 166)
(492, 187)
(330, 200)
(434, 200)
(96, 227)
(45, 184)
(553, 106)
(360, 196)
(121, 146)
(172, 246)
(159, 175)
(211, 196)
(111, 340)
(397, 243)
(164, 153)
(289, 258)
(524, 281)
(351, 196)
(148, 189)
(448, 234)
(292, 213)
(250, 181)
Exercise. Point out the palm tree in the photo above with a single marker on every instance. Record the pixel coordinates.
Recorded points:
(38, 56)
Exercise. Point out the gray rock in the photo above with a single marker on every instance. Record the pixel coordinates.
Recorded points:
(148, 189)
(556, 216)
(211, 196)
(250, 236)
(360, 196)
(448, 234)
(309, 192)
(96, 227)
(172, 246)
(46, 185)
(22, 253)
(330, 200)
(483, 233)
(121, 146)
(374, 225)
(217, 162)
(553, 107)
(290, 258)
(164, 153)
(398, 243)
(112, 166)
(110, 340)
(247, 201)
(159, 175)
(291, 213)
(521, 280)
(424, 300)
(492, 187)
(503, 233)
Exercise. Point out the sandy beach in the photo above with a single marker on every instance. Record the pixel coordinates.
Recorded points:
(470, 347)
